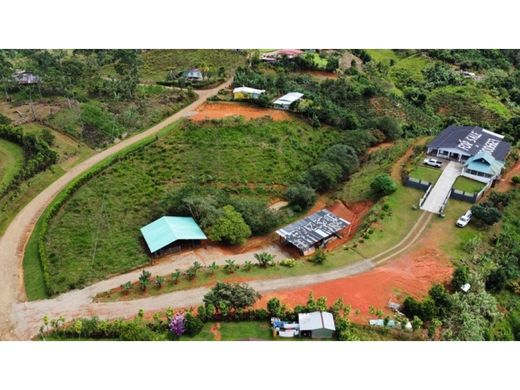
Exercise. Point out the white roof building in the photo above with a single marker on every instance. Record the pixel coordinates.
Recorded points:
(248, 90)
(286, 100)
(316, 320)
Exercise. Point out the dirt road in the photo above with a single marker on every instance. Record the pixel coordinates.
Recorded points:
(27, 317)
(12, 243)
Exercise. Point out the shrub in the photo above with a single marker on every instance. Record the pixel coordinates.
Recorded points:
(516, 179)
(264, 259)
(144, 279)
(301, 195)
(193, 325)
(229, 227)
(289, 263)
(247, 266)
(275, 307)
(323, 176)
(257, 216)
(390, 127)
(319, 256)
(460, 277)
(230, 266)
(342, 155)
(231, 295)
(383, 185)
(485, 213)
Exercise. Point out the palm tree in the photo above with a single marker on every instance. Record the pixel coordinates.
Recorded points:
(264, 259)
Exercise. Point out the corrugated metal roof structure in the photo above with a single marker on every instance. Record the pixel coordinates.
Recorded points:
(305, 233)
(471, 140)
(484, 162)
(288, 99)
(316, 320)
(165, 230)
(248, 90)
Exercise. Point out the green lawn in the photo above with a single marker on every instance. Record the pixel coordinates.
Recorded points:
(468, 185)
(96, 233)
(234, 331)
(11, 161)
(426, 173)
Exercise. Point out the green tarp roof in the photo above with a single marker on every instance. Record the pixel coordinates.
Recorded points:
(166, 230)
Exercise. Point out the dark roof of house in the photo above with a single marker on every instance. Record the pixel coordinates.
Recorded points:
(472, 140)
(306, 232)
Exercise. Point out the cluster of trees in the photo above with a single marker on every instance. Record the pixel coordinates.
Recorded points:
(336, 164)
(223, 218)
(478, 59)
(331, 101)
(489, 212)
(38, 154)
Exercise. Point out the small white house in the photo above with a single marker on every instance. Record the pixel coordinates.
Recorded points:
(247, 93)
(284, 102)
(317, 325)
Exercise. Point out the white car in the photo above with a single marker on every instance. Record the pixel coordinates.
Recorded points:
(464, 220)
(432, 162)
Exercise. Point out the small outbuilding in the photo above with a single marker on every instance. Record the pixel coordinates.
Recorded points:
(165, 231)
(317, 325)
(193, 74)
(285, 102)
(240, 93)
(22, 77)
(313, 231)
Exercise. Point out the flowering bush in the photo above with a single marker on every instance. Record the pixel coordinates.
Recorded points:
(176, 325)
(288, 263)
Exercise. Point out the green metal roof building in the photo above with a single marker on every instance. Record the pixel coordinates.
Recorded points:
(166, 230)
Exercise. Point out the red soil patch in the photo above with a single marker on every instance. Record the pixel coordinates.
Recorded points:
(215, 330)
(383, 145)
(320, 74)
(222, 110)
(505, 183)
(354, 214)
(412, 274)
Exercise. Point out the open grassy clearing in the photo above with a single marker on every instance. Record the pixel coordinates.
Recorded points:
(468, 185)
(358, 187)
(383, 55)
(412, 66)
(233, 331)
(96, 233)
(426, 173)
(11, 160)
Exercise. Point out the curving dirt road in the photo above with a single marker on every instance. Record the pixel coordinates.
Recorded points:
(27, 317)
(12, 243)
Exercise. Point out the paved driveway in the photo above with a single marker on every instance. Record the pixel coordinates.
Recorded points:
(442, 187)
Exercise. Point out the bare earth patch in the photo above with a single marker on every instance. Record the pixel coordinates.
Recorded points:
(219, 110)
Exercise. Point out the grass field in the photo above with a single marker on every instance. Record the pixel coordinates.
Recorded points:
(468, 185)
(233, 331)
(96, 233)
(383, 55)
(358, 187)
(426, 173)
(411, 66)
(11, 161)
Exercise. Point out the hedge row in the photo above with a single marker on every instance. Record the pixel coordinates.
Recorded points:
(66, 193)
(38, 155)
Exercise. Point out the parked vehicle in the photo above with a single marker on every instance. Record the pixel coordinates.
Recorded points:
(464, 220)
(432, 162)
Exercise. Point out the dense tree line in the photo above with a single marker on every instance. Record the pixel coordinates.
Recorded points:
(38, 154)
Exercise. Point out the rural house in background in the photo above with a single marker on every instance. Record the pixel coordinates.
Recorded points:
(273, 56)
(314, 231)
(285, 102)
(483, 152)
(317, 325)
(25, 78)
(163, 232)
(247, 93)
(193, 74)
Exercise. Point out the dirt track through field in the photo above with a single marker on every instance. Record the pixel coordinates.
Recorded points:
(12, 243)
